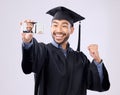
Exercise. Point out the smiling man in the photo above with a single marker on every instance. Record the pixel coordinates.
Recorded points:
(58, 69)
(61, 30)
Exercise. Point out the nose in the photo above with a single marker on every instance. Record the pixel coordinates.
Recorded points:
(59, 29)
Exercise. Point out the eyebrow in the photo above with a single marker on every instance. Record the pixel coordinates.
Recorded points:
(65, 23)
(54, 22)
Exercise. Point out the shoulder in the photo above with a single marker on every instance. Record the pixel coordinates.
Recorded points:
(81, 56)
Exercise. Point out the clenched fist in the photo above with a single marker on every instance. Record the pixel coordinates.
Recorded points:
(93, 50)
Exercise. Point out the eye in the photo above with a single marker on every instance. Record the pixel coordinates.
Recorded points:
(65, 26)
(54, 25)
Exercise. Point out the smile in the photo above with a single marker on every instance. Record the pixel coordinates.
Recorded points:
(59, 35)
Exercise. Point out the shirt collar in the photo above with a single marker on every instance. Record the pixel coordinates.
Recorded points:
(58, 45)
(55, 44)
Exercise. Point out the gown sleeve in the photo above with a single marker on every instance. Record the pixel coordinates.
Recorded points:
(93, 78)
(94, 82)
(33, 58)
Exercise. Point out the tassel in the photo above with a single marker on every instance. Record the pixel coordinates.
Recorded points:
(79, 37)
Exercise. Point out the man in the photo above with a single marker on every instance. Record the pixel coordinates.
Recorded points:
(59, 70)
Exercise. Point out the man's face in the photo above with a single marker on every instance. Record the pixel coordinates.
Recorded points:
(61, 30)
(29, 26)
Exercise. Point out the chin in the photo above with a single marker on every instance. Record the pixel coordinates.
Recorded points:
(58, 42)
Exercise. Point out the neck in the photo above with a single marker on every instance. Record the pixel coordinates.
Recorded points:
(64, 45)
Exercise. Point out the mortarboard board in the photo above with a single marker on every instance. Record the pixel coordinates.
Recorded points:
(61, 13)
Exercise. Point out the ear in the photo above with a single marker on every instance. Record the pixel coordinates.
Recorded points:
(72, 30)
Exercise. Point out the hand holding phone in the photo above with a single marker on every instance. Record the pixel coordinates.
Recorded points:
(29, 26)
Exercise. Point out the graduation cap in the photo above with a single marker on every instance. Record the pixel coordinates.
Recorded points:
(62, 13)
(32, 22)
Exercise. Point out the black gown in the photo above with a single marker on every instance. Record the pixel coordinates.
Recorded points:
(56, 74)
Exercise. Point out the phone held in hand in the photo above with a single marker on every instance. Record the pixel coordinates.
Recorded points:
(32, 27)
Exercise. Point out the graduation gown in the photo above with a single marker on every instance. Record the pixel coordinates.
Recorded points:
(56, 74)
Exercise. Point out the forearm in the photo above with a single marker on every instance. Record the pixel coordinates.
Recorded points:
(34, 56)
(103, 75)
(100, 69)
(27, 60)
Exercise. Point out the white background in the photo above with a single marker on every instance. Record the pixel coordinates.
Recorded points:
(101, 26)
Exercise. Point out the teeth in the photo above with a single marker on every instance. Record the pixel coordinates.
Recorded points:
(59, 35)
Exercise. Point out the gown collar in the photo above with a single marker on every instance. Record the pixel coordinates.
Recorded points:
(60, 47)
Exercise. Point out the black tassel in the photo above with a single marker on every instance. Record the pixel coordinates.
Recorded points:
(79, 36)
(35, 28)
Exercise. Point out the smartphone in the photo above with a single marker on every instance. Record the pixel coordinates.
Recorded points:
(32, 27)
